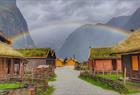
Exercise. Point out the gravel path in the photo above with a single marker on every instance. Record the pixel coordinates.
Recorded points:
(68, 83)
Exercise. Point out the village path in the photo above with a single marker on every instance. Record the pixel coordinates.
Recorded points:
(68, 83)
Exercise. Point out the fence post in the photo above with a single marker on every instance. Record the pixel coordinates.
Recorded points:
(124, 78)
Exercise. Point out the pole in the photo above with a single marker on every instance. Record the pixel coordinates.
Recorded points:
(124, 79)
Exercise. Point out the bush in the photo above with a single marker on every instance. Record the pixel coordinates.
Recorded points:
(114, 85)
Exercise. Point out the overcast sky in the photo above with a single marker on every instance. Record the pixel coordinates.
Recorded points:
(40, 13)
(65, 15)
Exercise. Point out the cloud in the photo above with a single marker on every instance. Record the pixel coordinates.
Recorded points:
(47, 11)
(43, 14)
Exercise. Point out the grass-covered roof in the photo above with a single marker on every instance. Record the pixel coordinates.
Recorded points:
(8, 51)
(101, 53)
(35, 52)
(129, 45)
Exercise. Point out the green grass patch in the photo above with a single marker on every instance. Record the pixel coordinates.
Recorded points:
(10, 85)
(131, 86)
(110, 76)
(46, 92)
(53, 78)
(97, 83)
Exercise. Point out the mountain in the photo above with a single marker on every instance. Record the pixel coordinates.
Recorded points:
(13, 24)
(118, 22)
(126, 22)
(79, 41)
(134, 21)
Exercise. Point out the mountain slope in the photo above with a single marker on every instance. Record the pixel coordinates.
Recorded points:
(118, 22)
(78, 43)
(126, 22)
(134, 21)
(12, 23)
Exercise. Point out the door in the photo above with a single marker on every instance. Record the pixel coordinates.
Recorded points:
(135, 67)
(114, 64)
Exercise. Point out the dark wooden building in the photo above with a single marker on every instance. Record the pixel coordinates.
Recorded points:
(130, 53)
(101, 60)
(39, 56)
(12, 62)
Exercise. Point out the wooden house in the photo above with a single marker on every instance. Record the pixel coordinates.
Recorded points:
(101, 60)
(59, 62)
(71, 62)
(12, 62)
(38, 56)
(129, 50)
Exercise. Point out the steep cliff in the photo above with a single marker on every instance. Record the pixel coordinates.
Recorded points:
(13, 24)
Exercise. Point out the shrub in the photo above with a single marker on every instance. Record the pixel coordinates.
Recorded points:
(114, 85)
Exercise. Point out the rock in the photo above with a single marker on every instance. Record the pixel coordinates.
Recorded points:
(13, 24)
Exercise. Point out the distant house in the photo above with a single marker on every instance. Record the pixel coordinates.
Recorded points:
(59, 62)
(71, 62)
(12, 62)
(38, 56)
(101, 60)
(130, 52)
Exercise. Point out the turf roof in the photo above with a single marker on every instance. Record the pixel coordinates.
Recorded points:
(101, 53)
(35, 52)
(132, 43)
(8, 51)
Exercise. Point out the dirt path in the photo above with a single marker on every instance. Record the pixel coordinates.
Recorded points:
(68, 83)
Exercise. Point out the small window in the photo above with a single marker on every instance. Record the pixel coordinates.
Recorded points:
(135, 63)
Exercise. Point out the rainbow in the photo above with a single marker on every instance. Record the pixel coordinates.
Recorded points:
(103, 27)
(113, 30)
(19, 37)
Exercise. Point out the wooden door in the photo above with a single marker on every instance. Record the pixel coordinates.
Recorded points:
(114, 64)
(135, 67)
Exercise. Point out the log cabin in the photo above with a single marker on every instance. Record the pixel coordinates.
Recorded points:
(101, 60)
(38, 56)
(12, 63)
(59, 62)
(71, 62)
(129, 50)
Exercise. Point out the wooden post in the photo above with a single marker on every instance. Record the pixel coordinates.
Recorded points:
(94, 73)
(117, 73)
(21, 71)
(5, 68)
(94, 67)
(124, 78)
(103, 72)
(12, 68)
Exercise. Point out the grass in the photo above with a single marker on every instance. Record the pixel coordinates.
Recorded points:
(46, 92)
(10, 85)
(53, 78)
(110, 76)
(132, 87)
(97, 83)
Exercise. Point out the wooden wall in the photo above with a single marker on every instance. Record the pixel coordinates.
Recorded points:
(119, 64)
(105, 65)
(33, 63)
(9, 67)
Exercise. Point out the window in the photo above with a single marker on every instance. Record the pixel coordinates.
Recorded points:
(135, 63)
